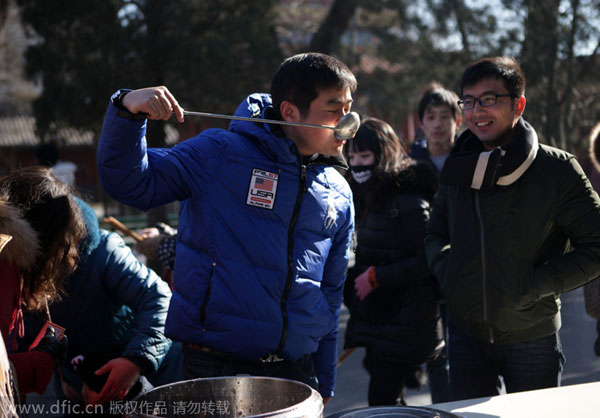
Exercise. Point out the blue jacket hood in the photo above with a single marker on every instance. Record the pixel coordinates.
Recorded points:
(259, 106)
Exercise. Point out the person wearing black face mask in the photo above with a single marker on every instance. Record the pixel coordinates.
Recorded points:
(362, 173)
(390, 292)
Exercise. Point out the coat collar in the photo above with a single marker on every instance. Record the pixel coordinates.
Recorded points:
(471, 165)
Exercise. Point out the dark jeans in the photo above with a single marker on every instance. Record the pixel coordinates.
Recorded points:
(438, 370)
(475, 366)
(198, 363)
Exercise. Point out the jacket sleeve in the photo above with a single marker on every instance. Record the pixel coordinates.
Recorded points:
(412, 268)
(144, 177)
(578, 217)
(332, 285)
(437, 236)
(148, 296)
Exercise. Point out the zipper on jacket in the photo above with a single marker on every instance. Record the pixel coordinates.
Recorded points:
(483, 264)
(290, 255)
(206, 296)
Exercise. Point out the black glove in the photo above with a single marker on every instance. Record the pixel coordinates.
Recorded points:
(53, 346)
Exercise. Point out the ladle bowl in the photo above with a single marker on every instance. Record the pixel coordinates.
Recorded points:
(347, 126)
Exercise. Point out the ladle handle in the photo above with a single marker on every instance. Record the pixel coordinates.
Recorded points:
(259, 120)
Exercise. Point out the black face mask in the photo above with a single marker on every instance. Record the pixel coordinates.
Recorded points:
(361, 173)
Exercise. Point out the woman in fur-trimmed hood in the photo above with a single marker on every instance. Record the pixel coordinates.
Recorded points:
(42, 227)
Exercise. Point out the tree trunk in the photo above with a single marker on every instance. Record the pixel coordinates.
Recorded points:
(539, 61)
(458, 9)
(3, 12)
(567, 120)
(333, 27)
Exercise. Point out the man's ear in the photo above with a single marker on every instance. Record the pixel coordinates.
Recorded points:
(520, 105)
(289, 111)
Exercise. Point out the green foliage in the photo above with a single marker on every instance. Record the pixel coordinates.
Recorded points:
(562, 89)
(209, 57)
(74, 58)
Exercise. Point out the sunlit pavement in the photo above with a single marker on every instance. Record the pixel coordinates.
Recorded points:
(577, 334)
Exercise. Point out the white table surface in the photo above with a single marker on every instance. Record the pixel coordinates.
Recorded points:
(572, 401)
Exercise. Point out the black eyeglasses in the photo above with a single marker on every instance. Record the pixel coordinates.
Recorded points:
(485, 100)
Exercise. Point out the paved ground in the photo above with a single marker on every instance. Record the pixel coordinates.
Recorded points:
(577, 335)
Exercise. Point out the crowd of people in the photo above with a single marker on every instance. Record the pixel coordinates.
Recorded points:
(463, 245)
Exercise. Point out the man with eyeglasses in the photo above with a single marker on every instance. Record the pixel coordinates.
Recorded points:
(498, 239)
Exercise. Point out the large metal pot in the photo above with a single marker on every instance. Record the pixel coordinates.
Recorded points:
(229, 397)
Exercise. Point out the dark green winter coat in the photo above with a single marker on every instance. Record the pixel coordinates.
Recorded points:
(502, 254)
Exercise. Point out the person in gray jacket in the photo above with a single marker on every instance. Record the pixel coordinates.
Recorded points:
(498, 239)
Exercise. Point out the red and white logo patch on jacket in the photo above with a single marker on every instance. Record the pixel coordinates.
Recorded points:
(263, 189)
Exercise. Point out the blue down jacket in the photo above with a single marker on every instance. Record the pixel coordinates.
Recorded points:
(263, 237)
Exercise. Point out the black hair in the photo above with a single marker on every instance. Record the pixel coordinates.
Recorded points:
(436, 95)
(504, 68)
(376, 135)
(48, 206)
(395, 170)
(301, 78)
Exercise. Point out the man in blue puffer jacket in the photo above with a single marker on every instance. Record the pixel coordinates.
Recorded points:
(264, 227)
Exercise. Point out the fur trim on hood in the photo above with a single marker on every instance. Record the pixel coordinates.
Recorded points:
(23, 248)
(595, 146)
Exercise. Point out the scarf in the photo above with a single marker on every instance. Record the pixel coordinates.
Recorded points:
(469, 164)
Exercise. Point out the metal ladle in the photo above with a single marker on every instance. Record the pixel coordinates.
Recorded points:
(345, 129)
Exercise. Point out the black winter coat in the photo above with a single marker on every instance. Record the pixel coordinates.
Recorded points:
(400, 320)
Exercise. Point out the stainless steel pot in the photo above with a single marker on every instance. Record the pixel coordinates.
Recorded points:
(229, 397)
